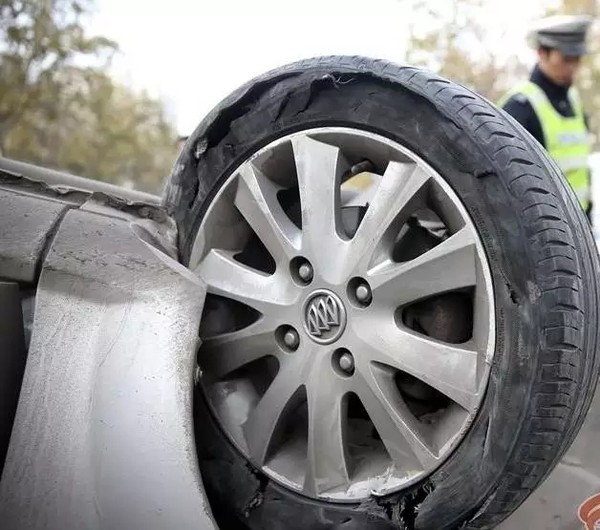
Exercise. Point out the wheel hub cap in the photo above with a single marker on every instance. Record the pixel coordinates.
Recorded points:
(324, 317)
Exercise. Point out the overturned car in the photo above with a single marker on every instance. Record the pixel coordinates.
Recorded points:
(367, 299)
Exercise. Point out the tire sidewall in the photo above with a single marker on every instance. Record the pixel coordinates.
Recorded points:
(312, 100)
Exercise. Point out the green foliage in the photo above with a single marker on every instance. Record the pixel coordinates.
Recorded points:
(59, 107)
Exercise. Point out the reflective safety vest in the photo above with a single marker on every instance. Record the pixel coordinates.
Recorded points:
(566, 139)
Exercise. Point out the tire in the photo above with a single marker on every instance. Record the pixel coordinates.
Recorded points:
(542, 259)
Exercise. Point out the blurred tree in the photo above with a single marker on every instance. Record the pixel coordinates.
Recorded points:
(38, 38)
(59, 107)
(451, 38)
(100, 129)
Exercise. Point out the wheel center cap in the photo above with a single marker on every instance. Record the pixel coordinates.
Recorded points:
(324, 316)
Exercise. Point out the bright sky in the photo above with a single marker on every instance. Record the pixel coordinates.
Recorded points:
(192, 53)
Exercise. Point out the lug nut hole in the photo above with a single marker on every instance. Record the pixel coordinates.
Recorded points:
(288, 338)
(343, 362)
(302, 271)
(359, 292)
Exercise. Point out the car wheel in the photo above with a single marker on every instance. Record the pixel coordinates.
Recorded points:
(401, 323)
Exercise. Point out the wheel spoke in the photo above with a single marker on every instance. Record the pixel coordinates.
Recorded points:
(481, 314)
(447, 267)
(450, 369)
(256, 199)
(397, 196)
(327, 457)
(319, 167)
(261, 425)
(225, 276)
(399, 430)
(221, 355)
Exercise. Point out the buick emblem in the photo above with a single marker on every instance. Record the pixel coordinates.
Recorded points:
(324, 316)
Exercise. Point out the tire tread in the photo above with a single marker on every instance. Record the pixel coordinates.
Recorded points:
(564, 269)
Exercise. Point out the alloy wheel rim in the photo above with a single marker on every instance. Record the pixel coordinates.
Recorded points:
(309, 361)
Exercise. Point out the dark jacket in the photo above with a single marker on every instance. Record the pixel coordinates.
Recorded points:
(521, 110)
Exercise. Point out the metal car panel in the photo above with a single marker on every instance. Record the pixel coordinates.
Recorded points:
(103, 436)
(62, 182)
(25, 223)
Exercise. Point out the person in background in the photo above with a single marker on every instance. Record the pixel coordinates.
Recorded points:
(548, 105)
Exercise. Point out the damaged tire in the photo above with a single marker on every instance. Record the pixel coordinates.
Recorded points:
(401, 323)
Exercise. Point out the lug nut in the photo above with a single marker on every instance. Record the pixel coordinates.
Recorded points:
(291, 339)
(363, 293)
(305, 271)
(346, 363)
